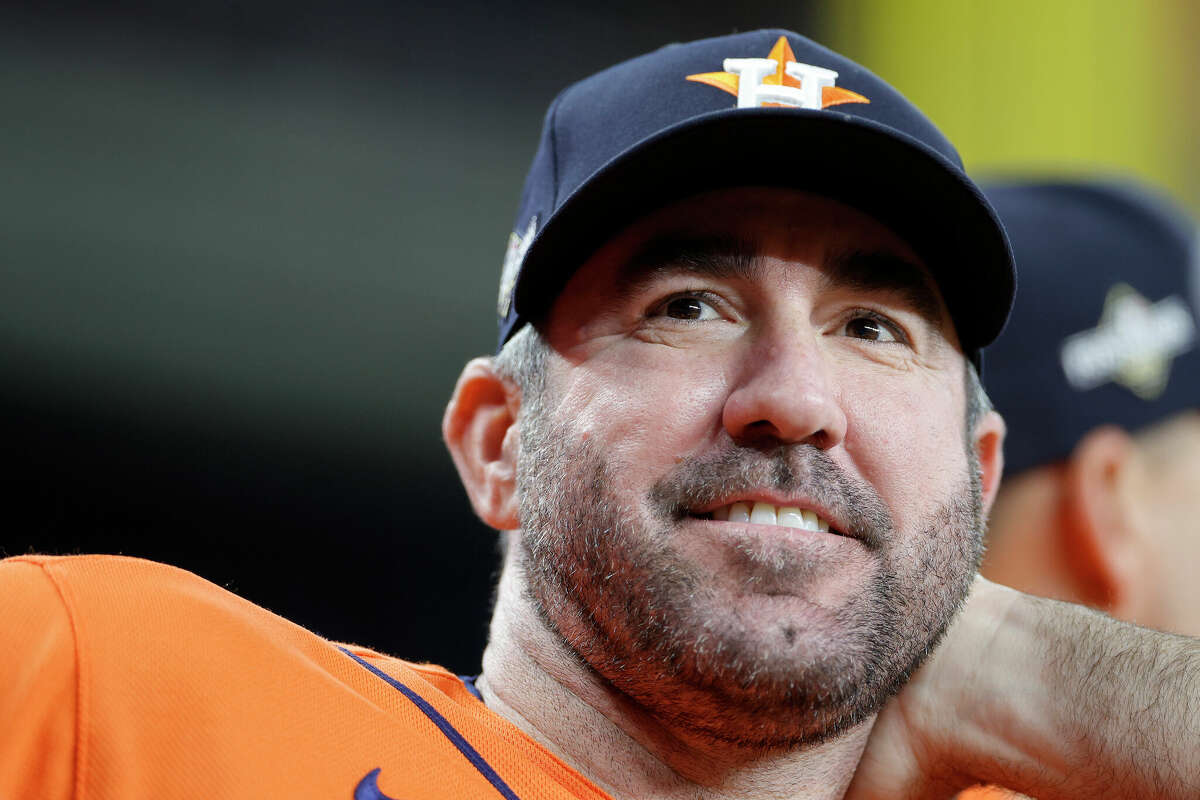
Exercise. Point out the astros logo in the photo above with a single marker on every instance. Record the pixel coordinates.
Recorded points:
(778, 80)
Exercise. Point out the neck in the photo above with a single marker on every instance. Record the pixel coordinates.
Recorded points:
(533, 679)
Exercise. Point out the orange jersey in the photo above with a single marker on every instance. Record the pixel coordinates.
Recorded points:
(122, 678)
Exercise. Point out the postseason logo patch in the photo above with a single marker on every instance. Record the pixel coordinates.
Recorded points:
(514, 254)
(1132, 346)
(778, 80)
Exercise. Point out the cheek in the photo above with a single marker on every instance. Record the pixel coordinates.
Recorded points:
(645, 410)
(908, 443)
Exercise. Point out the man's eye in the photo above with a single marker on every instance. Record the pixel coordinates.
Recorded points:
(690, 308)
(873, 329)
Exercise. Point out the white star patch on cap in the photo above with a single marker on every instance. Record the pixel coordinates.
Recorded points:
(1133, 345)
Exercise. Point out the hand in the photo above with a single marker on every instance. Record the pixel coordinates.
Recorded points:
(1049, 698)
(920, 745)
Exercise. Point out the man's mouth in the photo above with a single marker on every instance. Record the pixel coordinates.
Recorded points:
(760, 513)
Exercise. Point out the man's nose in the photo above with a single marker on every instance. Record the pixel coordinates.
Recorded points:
(785, 392)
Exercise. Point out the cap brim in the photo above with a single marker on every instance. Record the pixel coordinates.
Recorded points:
(894, 178)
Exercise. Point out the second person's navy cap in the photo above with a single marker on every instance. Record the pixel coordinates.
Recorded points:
(764, 108)
(1105, 327)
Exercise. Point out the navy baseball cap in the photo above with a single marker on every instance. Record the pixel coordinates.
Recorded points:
(1104, 329)
(764, 108)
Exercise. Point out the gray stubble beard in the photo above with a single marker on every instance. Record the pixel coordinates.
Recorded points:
(624, 603)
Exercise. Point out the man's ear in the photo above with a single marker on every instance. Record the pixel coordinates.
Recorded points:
(989, 448)
(483, 438)
(1098, 524)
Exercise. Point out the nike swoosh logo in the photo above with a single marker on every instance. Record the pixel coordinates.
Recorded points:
(368, 787)
(443, 725)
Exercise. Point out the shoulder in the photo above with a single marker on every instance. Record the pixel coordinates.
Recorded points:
(157, 677)
(38, 684)
(88, 575)
(126, 601)
(128, 629)
(131, 616)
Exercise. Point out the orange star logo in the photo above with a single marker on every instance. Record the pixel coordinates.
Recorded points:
(785, 64)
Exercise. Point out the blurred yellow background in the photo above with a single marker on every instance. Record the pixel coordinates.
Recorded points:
(1061, 86)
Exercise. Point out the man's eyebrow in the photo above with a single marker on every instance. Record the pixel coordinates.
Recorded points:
(733, 257)
(871, 270)
(708, 256)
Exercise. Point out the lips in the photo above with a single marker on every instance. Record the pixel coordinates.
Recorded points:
(762, 513)
(779, 487)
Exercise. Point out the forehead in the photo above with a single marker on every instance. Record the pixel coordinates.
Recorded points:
(725, 232)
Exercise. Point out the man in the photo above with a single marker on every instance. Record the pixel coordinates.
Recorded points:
(736, 442)
(1098, 376)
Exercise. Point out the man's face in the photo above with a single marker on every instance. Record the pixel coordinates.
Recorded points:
(761, 352)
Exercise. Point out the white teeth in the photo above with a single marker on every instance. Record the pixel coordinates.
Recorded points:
(766, 514)
(791, 517)
(763, 514)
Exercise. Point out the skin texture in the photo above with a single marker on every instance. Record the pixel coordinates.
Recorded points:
(666, 654)
(1048, 698)
(1113, 527)
(1051, 699)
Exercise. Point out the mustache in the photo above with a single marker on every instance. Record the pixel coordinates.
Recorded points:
(795, 469)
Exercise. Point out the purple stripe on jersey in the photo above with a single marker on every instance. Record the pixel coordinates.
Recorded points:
(444, 726)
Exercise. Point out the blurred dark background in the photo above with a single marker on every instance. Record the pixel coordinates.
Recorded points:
(246, 248)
